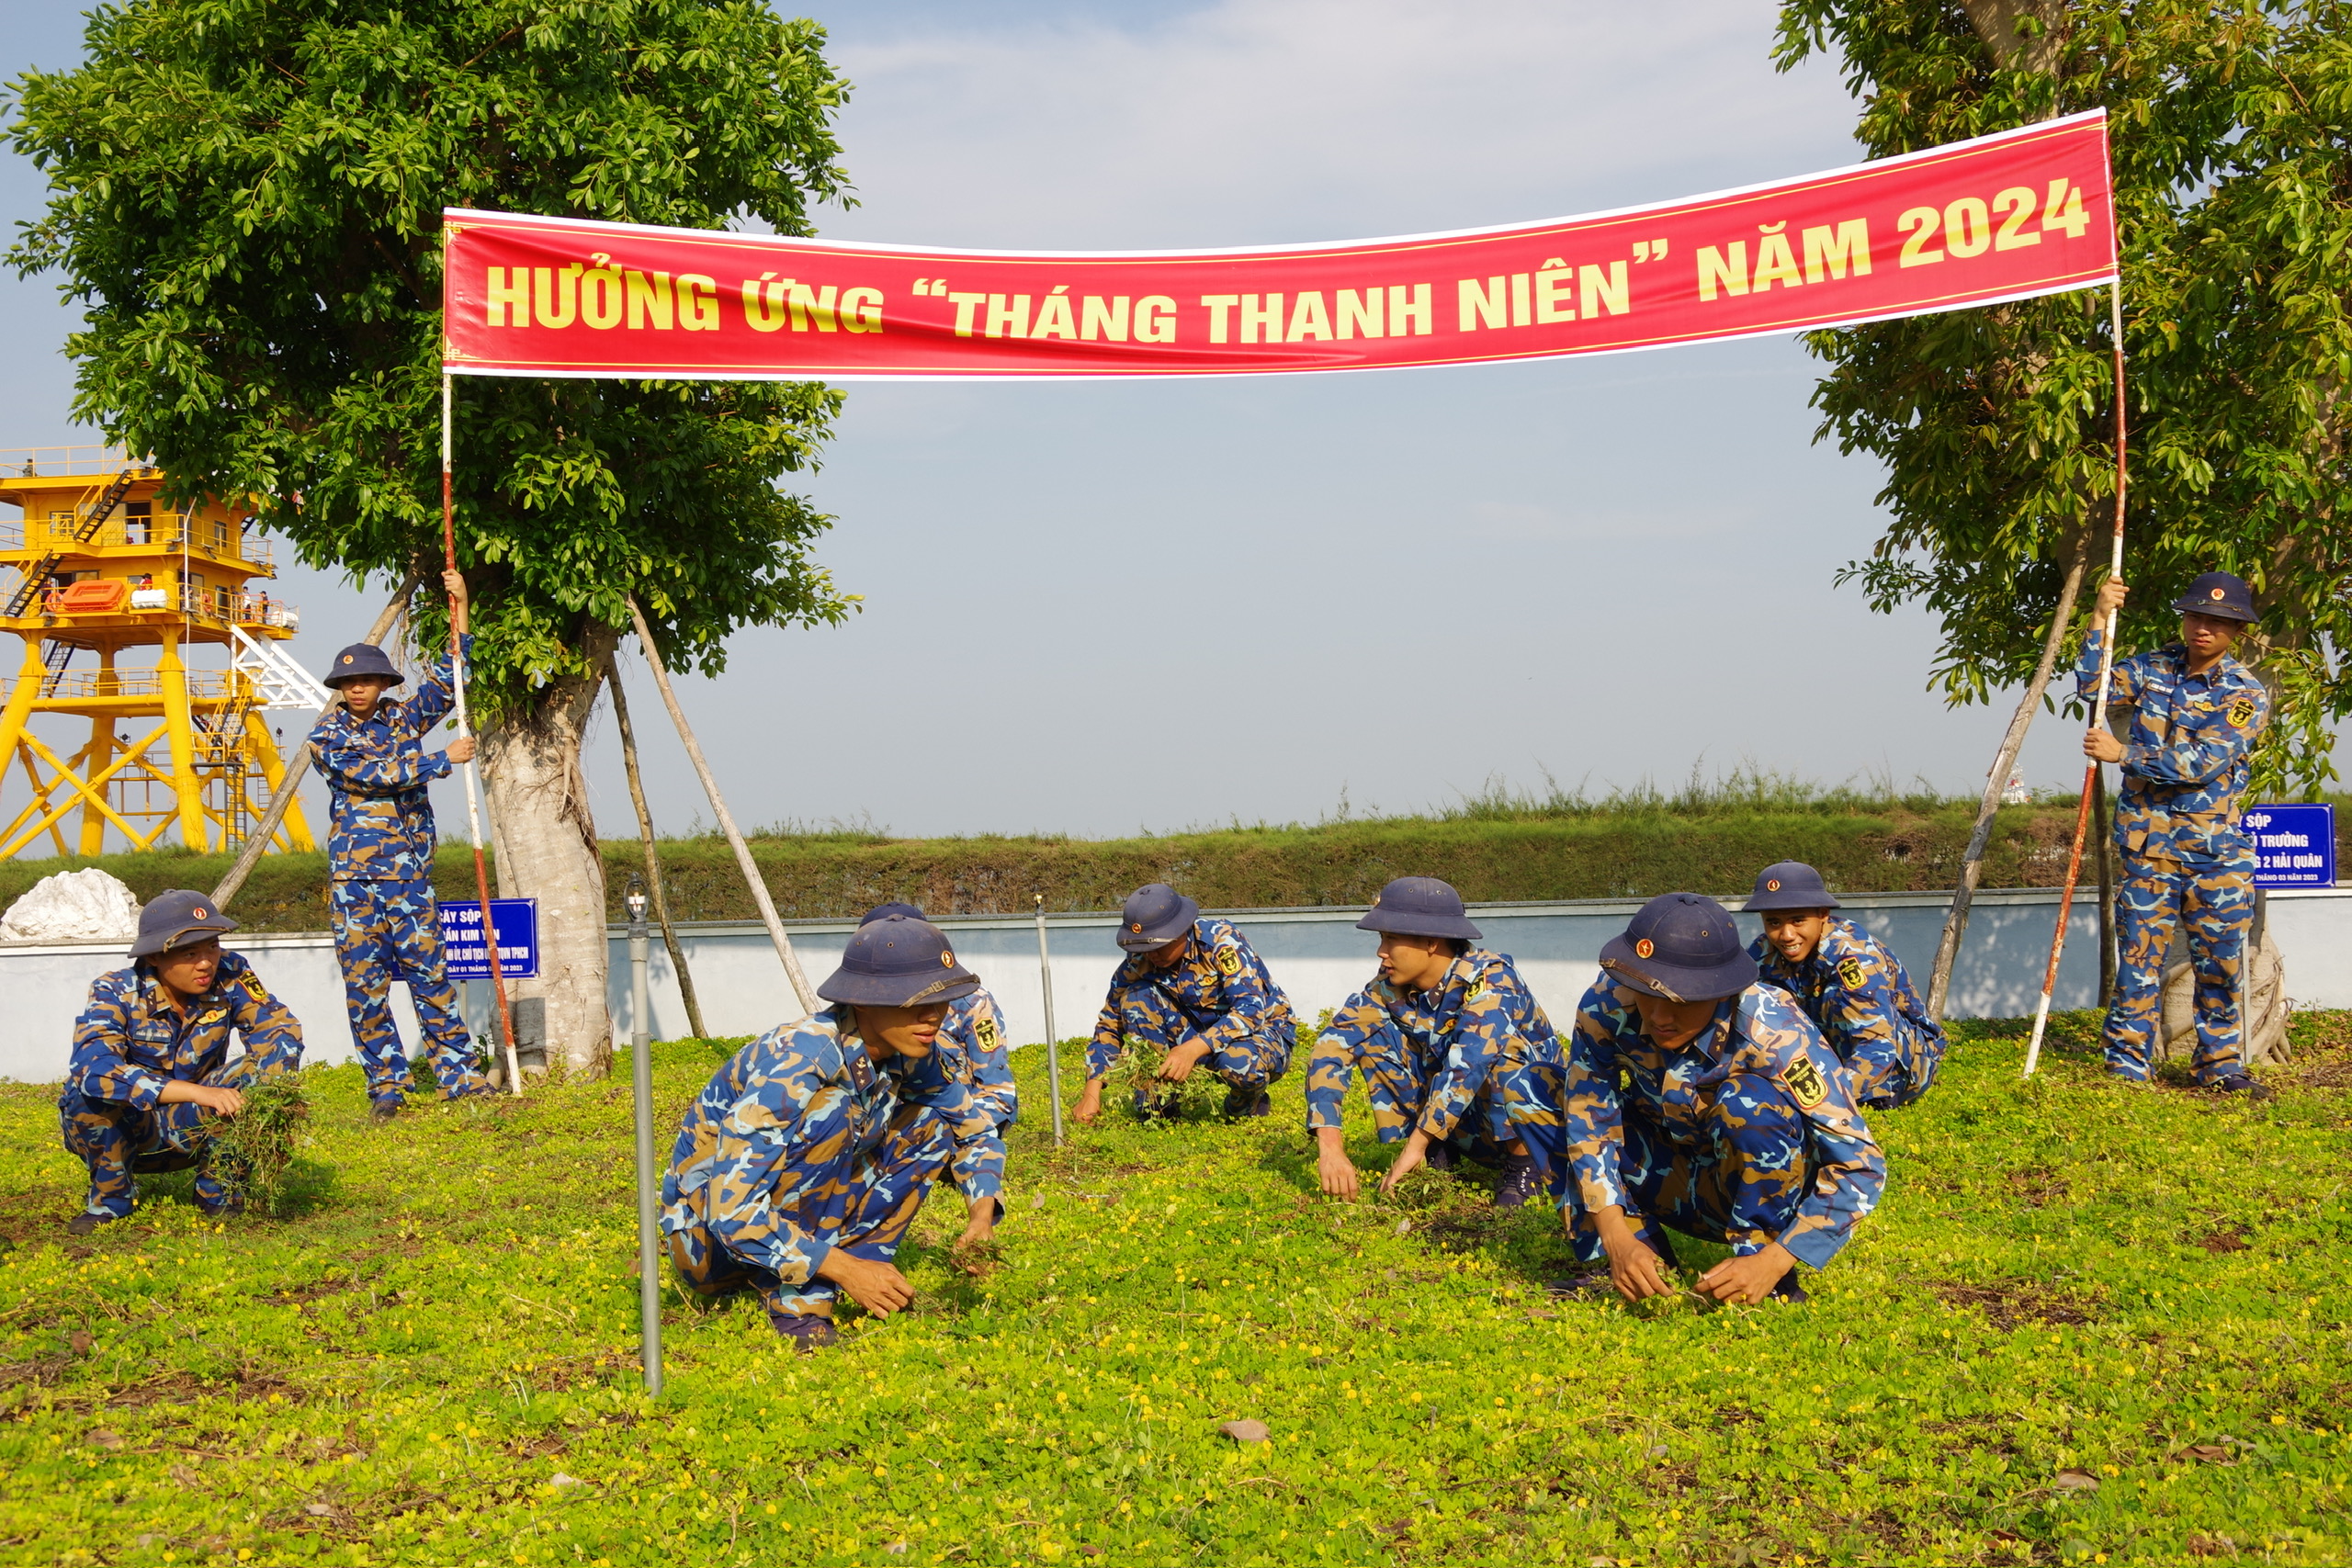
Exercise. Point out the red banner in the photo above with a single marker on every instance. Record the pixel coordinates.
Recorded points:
(2003, 217)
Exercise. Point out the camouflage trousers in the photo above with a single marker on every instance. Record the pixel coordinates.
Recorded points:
(1250, 1063)
(1396, 1085)
(1743, 1184)
(2218, 906)
(391, 930)
(862, 1207)
(120, 1143)
(1892, 1073)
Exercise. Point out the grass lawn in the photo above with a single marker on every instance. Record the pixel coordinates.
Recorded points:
(2089, 1324)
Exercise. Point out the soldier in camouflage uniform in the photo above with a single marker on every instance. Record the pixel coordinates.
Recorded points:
(379, 852)
(1194, 991)
(974, 1050)
(1855, 991)
(1690, 1096)
(2196, 715)
(1444, 1034)
(151, 1059)
(809, 1153)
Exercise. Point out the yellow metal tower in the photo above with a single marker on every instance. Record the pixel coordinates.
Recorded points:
(104, 569)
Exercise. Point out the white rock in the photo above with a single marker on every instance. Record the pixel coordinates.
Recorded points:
(72, 906)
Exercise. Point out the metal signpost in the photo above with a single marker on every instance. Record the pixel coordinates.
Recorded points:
(1052, 1041)
(640, 1072)
(2294, 846)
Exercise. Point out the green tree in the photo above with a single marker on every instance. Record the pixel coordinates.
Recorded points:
(2234, 212)
(248, 196)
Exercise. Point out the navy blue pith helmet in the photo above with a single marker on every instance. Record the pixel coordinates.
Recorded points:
(176, 918)
(2220, 594)
(884, 912)
(898, 962)
(1683, 946)
(1156, 915)
(362, 659)
(1788, 884)
(1419, 906)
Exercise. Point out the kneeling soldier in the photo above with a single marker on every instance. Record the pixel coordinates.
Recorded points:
(151, 1057)
(973, 1050)
(799, 1170)
(1855, 991)
(1693, 1097)
(1443, 1034)
(1192, 990)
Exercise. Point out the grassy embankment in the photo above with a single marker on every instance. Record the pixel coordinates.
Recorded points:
(1713, 838)
(2089, 1324)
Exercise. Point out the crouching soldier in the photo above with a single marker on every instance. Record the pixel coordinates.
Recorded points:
(1444, 1035)
(973, 1052)
(1855, 991)
(1693, 1097)
(379, 856)
(800, 1168)
(151, 1055)
(1193, 991)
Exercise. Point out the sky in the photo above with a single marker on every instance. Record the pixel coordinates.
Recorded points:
(1097, 609)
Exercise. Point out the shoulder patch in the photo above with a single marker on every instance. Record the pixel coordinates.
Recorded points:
(985, 1031)
(1852, 970)
(1228, 960)
(1804, 1081)
(2241, 712)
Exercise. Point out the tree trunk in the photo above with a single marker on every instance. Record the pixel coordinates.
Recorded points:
(1971, 868)
(1995, 22)
(547, 850)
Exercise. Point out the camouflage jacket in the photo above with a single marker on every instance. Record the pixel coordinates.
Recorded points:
(1220, 985)
(2187, 758)
(130, 1041)
(973, 1052)
(1458, 1031)
(380, 815)
(785, 1135)
(1851, 987)
(1614, 1071)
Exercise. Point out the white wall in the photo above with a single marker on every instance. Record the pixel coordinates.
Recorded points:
(1317, 955)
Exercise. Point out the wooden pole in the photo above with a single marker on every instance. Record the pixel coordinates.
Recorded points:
(258, 842)
(652, 860)
(1971, 865)
(801, 986)
(2092, 779)
(473, 774)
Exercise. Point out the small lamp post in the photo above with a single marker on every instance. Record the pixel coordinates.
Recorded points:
(640, 1072)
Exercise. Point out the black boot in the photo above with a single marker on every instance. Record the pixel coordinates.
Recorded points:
(1243, 1103)
(1790, 1289)
(85, 1223)
(2244, 1083)
(1522, 1180)
(809, 1331)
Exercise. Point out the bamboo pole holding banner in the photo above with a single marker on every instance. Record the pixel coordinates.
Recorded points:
(1053, 1040)
(258, 842)
(801, 986)
(473, 774)
(2092, 779)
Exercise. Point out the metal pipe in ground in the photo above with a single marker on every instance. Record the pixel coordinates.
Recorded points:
(640, 1072)
(1053, 1039)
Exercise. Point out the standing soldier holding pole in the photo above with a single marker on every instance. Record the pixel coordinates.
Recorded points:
(2196, 715)
(379, 853)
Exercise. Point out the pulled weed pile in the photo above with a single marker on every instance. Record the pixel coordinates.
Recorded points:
(255, 1148)
(2089, 1321)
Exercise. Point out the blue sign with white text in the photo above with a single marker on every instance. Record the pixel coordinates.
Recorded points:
(517, 920)
(2294, 846)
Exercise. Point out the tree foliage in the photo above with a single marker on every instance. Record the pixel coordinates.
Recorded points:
(2234, 180)
(247, 197)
